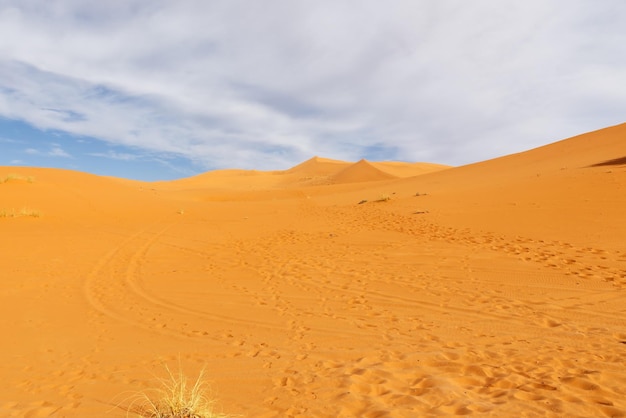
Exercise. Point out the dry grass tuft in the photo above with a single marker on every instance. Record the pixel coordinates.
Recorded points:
(12, 213)
(177, 398)
(13, 177)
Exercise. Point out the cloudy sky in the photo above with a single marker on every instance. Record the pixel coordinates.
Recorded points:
(151, 89)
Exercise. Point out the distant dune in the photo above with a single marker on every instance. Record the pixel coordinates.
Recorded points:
(332, 289)
(318, 166)
(313, 172)
(359, 172)
(402, 169)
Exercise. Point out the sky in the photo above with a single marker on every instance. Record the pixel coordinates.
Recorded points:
(155, 89)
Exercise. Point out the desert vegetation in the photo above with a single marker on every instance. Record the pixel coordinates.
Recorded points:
(16, 177)
(12, 213)
(177, 397)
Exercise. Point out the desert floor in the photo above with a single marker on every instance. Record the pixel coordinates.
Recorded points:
(331, 289)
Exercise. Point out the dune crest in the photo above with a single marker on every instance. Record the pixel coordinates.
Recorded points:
(403, 169)
(318, 166)
(361, 171)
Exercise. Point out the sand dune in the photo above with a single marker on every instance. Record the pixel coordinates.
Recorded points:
(316, 171)
(359, 172)
(401, 169)
(493, 289)
(318, 166)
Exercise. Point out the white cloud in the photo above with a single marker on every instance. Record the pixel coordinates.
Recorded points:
(58, 152)
(122, 156)
(54, 151)
(268, 84)
(9, 140)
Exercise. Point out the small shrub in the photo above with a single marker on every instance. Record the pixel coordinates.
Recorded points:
(177, 398)
(13, 176)
(30, 212)
(12, 213)
(383, 198)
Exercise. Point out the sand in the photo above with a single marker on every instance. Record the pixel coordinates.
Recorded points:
(333, 289)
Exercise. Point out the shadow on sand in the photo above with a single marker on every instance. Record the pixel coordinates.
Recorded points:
(616, 161)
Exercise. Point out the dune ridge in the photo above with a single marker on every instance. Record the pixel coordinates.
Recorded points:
(359, 172)
(492, 289)
(316, 171)
(318, 166)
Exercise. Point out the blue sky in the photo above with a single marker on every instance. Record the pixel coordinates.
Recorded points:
(150, 89)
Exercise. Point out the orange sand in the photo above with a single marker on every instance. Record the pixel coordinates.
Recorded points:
(499, 290)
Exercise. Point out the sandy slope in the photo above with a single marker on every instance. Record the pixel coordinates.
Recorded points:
(499, 290)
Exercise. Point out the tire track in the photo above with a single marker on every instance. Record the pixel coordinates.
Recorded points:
(113, 288)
